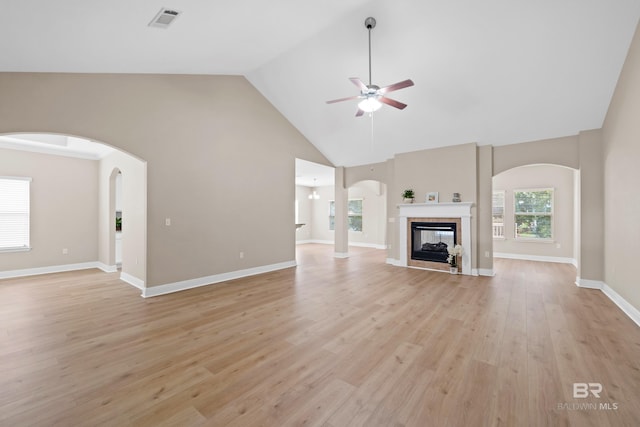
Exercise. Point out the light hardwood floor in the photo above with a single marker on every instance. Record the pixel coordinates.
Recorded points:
(332, 342)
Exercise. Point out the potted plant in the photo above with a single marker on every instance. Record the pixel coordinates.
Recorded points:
(408, 195)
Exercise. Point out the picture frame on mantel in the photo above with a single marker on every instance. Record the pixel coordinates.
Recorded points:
(432, 197)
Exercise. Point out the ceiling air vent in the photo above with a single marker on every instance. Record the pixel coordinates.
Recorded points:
(164, 18)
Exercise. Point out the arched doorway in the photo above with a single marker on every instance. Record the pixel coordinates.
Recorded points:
(536, 213)
(84, 203)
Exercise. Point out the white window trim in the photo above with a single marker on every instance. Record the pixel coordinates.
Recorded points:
(551, 214)
(504, 213)
(28, 247)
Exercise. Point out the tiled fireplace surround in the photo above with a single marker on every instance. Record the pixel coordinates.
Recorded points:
(434, 212)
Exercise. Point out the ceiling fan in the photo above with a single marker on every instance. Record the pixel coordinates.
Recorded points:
(373, 96)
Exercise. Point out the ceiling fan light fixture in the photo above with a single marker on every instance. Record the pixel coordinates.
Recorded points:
(372, 96)
(369, 105)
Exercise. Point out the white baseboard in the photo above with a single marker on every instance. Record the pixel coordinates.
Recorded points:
(341, 254)
(314, 241)
(303, 242)
(107, 268)
(628, 309)
(560, 260)
(589, 284)
(132, 280)
(632, 312)
(486, 272)
(168, 288)
(367, 245)
(54, 269)
(331, 242)
(393, 261)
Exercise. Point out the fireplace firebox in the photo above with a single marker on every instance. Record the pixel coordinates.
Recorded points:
(430, 240)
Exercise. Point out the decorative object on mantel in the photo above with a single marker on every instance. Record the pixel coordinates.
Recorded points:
(456, 198)
(432, 197)
(452, 259)
(408, 195)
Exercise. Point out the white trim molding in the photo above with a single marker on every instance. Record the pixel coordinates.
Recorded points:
(107, 268)
(589, 284)
(341, 254)
(541, 258)
(393, 261)
(54, 269)
(169, 288)
(132, 280)
(331, 242)
(628, 309)
(486, 272)
(632, 312)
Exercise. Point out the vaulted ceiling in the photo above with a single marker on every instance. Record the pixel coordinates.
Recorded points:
(492, 72)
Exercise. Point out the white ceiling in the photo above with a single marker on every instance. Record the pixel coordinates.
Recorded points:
(492, 72)
(309, 174)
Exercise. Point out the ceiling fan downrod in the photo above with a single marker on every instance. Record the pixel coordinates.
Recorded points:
(370, 23)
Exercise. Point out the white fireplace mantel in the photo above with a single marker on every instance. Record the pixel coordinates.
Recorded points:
(460, 210)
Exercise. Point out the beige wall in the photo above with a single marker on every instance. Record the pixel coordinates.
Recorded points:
(215, 148)
(621, 136)
(64, 209)
(484, 253)
(304, 213)
(591, 199)
(561, 179)
(320, 214)
(134, 214)
(374, 208)
(558, 151)
(445, 170)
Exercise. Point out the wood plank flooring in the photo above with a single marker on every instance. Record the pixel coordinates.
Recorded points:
(332, 342)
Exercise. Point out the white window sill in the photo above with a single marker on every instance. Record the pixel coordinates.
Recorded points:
(2, 250)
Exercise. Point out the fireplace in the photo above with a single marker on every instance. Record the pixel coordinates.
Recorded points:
(430, 240)
(442, 214)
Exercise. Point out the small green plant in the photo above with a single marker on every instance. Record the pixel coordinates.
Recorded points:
(118, 224)
(408, 194)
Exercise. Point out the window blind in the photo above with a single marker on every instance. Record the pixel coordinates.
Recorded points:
(14, 213)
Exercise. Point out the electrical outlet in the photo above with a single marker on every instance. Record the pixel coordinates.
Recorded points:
(65, 251)
(167, 221)
(241, 255)
(558, 245)
(486, 254)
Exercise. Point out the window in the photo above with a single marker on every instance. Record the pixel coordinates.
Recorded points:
(355, 215)
(533, 214)
(14, 213)
(497, 213)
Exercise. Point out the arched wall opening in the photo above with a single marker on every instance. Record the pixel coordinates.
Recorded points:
(536, 213)
(73, 200)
